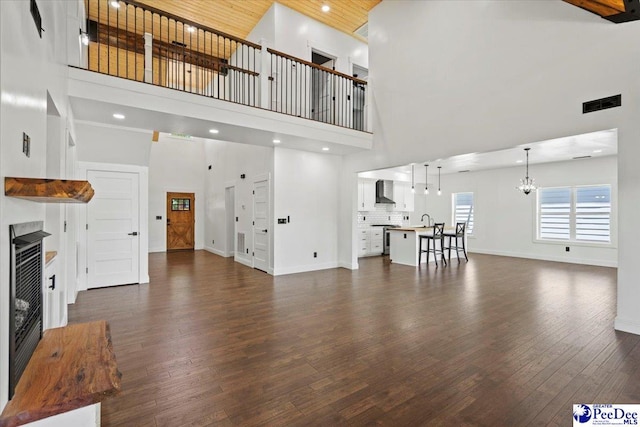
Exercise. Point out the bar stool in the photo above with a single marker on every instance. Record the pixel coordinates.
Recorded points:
(437, 235)
(458, 235)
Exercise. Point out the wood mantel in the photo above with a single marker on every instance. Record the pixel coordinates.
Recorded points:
(72, 367)
(48, 190)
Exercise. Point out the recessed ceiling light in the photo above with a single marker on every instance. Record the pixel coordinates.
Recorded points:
(190, 28)
(325, 8)
(213, 131)
(519, 161)
(115, 4)
(118, 116)
(597, 151)
(276, 141)
(325, 148)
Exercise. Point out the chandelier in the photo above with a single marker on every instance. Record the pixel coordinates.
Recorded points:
(527, 185)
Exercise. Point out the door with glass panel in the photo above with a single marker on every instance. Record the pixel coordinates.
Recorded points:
(180, 221)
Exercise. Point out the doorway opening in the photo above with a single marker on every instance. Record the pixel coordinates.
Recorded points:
(322, 88)
(180, 221)
(359, 97)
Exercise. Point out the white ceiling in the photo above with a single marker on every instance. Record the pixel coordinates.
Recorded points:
(95, 111)
(594, 144)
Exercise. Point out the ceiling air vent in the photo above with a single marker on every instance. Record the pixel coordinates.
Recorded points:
(363, 31)
(602, 104)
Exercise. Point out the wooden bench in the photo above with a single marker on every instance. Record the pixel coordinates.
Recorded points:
(72, 367)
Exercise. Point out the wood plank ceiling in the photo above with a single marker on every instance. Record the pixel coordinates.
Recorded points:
(617, 11)
(239, 17)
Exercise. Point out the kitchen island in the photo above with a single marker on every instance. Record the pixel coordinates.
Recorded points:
(404, 243)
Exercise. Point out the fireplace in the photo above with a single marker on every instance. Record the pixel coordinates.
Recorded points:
(25, 299)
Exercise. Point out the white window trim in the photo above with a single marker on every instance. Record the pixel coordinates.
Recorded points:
(611, 244)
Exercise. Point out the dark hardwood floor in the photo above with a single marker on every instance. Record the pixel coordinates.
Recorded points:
(492, 342)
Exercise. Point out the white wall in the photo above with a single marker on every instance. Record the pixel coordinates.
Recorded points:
(106, 144)
(290, 32)
(297, 34)
(504, 218)
(265, 29)
(228, 161)
(175, 166)
(498, 75)
(30, 67)
(306, 191)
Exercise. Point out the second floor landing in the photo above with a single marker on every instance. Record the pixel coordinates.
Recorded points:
(96, 97)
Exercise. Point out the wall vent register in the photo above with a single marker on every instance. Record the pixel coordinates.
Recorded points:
(602, 104)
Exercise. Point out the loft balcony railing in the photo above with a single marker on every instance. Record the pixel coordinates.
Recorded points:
(138, 42)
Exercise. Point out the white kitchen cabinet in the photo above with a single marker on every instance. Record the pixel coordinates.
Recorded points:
(375, 241)
(363, 241)
(403, 196)
(366, 194)
(370, 241)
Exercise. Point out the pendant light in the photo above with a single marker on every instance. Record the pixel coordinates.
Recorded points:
(413, 180)
(439, 191)
(527, 185)
(426, 179)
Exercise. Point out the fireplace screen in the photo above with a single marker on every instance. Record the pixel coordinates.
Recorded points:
(25, 302)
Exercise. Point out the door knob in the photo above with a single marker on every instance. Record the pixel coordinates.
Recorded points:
(135, 233)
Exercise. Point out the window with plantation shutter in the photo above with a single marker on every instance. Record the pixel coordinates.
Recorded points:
(593, 214)
(575, 213)
(463, 210)
(554, 218)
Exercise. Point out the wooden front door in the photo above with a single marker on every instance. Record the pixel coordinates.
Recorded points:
(180, 221)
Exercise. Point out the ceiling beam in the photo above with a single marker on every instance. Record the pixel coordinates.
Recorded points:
(616, 11)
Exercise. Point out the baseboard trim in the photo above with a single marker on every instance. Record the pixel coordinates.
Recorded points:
(304, 268)
(216, 251)
(155, 250)
(348, 265)
(243, 261)
(598, 263)
(626, 325)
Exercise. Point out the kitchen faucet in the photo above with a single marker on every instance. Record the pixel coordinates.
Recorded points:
(428, 216)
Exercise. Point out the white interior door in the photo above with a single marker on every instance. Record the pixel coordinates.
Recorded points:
(261, 225)
(112, 234)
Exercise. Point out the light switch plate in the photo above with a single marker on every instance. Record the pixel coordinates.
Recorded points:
(26, 144)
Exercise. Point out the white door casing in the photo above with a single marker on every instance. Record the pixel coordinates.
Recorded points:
(261, 224)
(230, 247)
(112, 220)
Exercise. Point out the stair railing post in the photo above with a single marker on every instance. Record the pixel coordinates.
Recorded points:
(264, 75)
(148, 58)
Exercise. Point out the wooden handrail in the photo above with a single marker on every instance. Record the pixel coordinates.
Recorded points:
(319, 67)
(188, 22)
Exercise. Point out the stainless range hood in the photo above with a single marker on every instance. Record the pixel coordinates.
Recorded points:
(382, 195)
